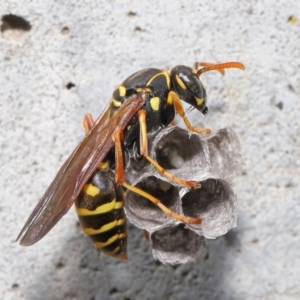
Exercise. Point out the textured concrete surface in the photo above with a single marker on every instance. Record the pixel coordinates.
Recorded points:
(105, 42)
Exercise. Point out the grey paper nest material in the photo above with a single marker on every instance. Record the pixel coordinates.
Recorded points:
(213, 161)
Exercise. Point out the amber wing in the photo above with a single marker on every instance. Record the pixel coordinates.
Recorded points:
(75, 172)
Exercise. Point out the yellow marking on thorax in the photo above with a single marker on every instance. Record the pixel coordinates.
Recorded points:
(103, 165)
(122, 90)
(154, 103)
(180, 82)
(143, 90)
(128, 127)
(110, 240)
(115, 102)
(102, 209)
(199, 101)
(170, 98)
(164, 73)
(104, 228)
(91, 190)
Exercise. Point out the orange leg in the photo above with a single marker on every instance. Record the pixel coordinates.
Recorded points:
(87, 123)
(146, 235)
(144, 152)
(118, 138)
(120, 179)
(167, 211)
(88, 120)
(180, 110)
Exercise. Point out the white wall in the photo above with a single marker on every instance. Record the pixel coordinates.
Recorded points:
(107, 41)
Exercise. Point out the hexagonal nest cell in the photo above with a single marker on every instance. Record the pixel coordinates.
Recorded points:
(213, 161)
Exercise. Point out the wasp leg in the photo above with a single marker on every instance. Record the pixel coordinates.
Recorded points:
(87, 123)
(120, 179)
(167, 211)
(146, 235)
(144, 152)
(118, 138)
(173, 98)
(88, 120)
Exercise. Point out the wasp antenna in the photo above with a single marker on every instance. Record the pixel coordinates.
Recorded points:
(219, 67)
(206, 64)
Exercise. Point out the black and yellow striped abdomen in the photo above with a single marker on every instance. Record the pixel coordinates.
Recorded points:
(100, 210)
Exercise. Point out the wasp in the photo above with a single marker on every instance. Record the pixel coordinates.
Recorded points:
(146, 101)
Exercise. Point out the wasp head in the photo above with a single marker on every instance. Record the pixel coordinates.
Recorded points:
(189, 88)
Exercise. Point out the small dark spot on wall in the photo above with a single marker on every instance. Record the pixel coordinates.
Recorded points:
(174, 267)
(83, 263)
(206, 257)
(14, 22)
(185, 273)
(113, 291)
(15, 286)
(70, 85)
(68, 295)
(157, 263)
(250, 11)
(291, 88)
(131, 14)
(60, 265)
(279, 105)
(65, 30)
(138, 28)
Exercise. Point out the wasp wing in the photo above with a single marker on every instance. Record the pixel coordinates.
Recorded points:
(78, 168)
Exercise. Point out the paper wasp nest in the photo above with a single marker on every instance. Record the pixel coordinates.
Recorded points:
(213, 161)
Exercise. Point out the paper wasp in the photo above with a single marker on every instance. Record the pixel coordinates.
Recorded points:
(144, 102)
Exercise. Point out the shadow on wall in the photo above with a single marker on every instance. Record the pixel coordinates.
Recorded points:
(79, 271)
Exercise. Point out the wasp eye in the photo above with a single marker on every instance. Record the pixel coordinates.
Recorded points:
(205, 110)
